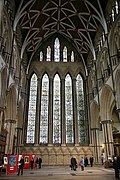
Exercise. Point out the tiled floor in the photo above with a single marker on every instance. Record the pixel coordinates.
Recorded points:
(63, 173)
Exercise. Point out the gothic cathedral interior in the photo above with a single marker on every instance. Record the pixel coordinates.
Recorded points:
(60, 79)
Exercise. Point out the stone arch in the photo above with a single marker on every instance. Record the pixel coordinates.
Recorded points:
(94, 110)
(115, 37)
(106, 102)
(117, 81)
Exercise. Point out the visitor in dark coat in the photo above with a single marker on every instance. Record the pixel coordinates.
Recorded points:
(91, 161)
(116, 166)
(73, 163)
(86, 161)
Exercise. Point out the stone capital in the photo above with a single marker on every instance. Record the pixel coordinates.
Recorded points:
(10, 121)
(106, 121)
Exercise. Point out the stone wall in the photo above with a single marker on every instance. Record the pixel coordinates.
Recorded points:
(52, 155)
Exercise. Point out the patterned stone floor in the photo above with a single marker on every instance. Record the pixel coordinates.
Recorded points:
(63, 173)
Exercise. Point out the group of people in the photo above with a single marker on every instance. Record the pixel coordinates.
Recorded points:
(83, 162)
(21, 164)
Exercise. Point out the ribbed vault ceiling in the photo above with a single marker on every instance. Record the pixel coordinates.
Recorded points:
(76, 20)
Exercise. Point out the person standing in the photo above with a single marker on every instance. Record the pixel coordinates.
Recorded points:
(32, 163)
(91, 161)
(82, 163)
(37, 162)
(86, 161)
(73, 163)
(21, 166)
(40, 162)
(116, 166)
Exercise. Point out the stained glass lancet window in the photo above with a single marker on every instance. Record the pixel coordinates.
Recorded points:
(65, 54)
(69, 109)
(41, 56)
(32, 109)
(57, 50)
(72, 56)
(80, 108)
(113, 15)
(56, 111)
(116, 7)
(48, 53)
(44, 110)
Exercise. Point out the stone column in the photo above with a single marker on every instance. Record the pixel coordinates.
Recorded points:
(1, 115)
(61, 52)
(52, 52)
(10, 126)
(38, 107)
(63, 124)
(18, 140)
(118, 111)
(50, 116)
(96, 144)
(25, 115)
(75, 119)
(108, 138)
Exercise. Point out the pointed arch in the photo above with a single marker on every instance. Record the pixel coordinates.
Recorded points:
(80, 108)
(117, 80)
(65, 54)
(56, 110)
(106, 103)
(57, 50)
(69, 109)
(48, 53)
(95, 116)
(72, 57)
(44, 109)
(32, 109)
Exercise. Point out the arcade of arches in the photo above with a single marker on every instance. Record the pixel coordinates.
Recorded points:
(59, 89)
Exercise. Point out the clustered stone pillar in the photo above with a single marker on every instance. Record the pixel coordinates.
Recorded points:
(50, 116)
(1, 114)
(38, 107)
(118, 111)
(63, 125)
(19, 139)
(25, 115)
(10, 126)
(75, 120)
(108, 138)
(96, 143)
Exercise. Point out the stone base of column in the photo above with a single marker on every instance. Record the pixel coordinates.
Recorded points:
(36, 145)
(21, 145)
(77, 145)
(50, 145)
(63, 145)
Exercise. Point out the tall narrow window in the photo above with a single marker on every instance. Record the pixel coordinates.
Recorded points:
(116, 7)
(80, 109)
(103, 37)
(48, 53)
(65, 54)
(72, 56)
(41, 56)
(56, 111)
(32, 109)
(113, 15)
(69, 109)
(57, 50)
(44, 110)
